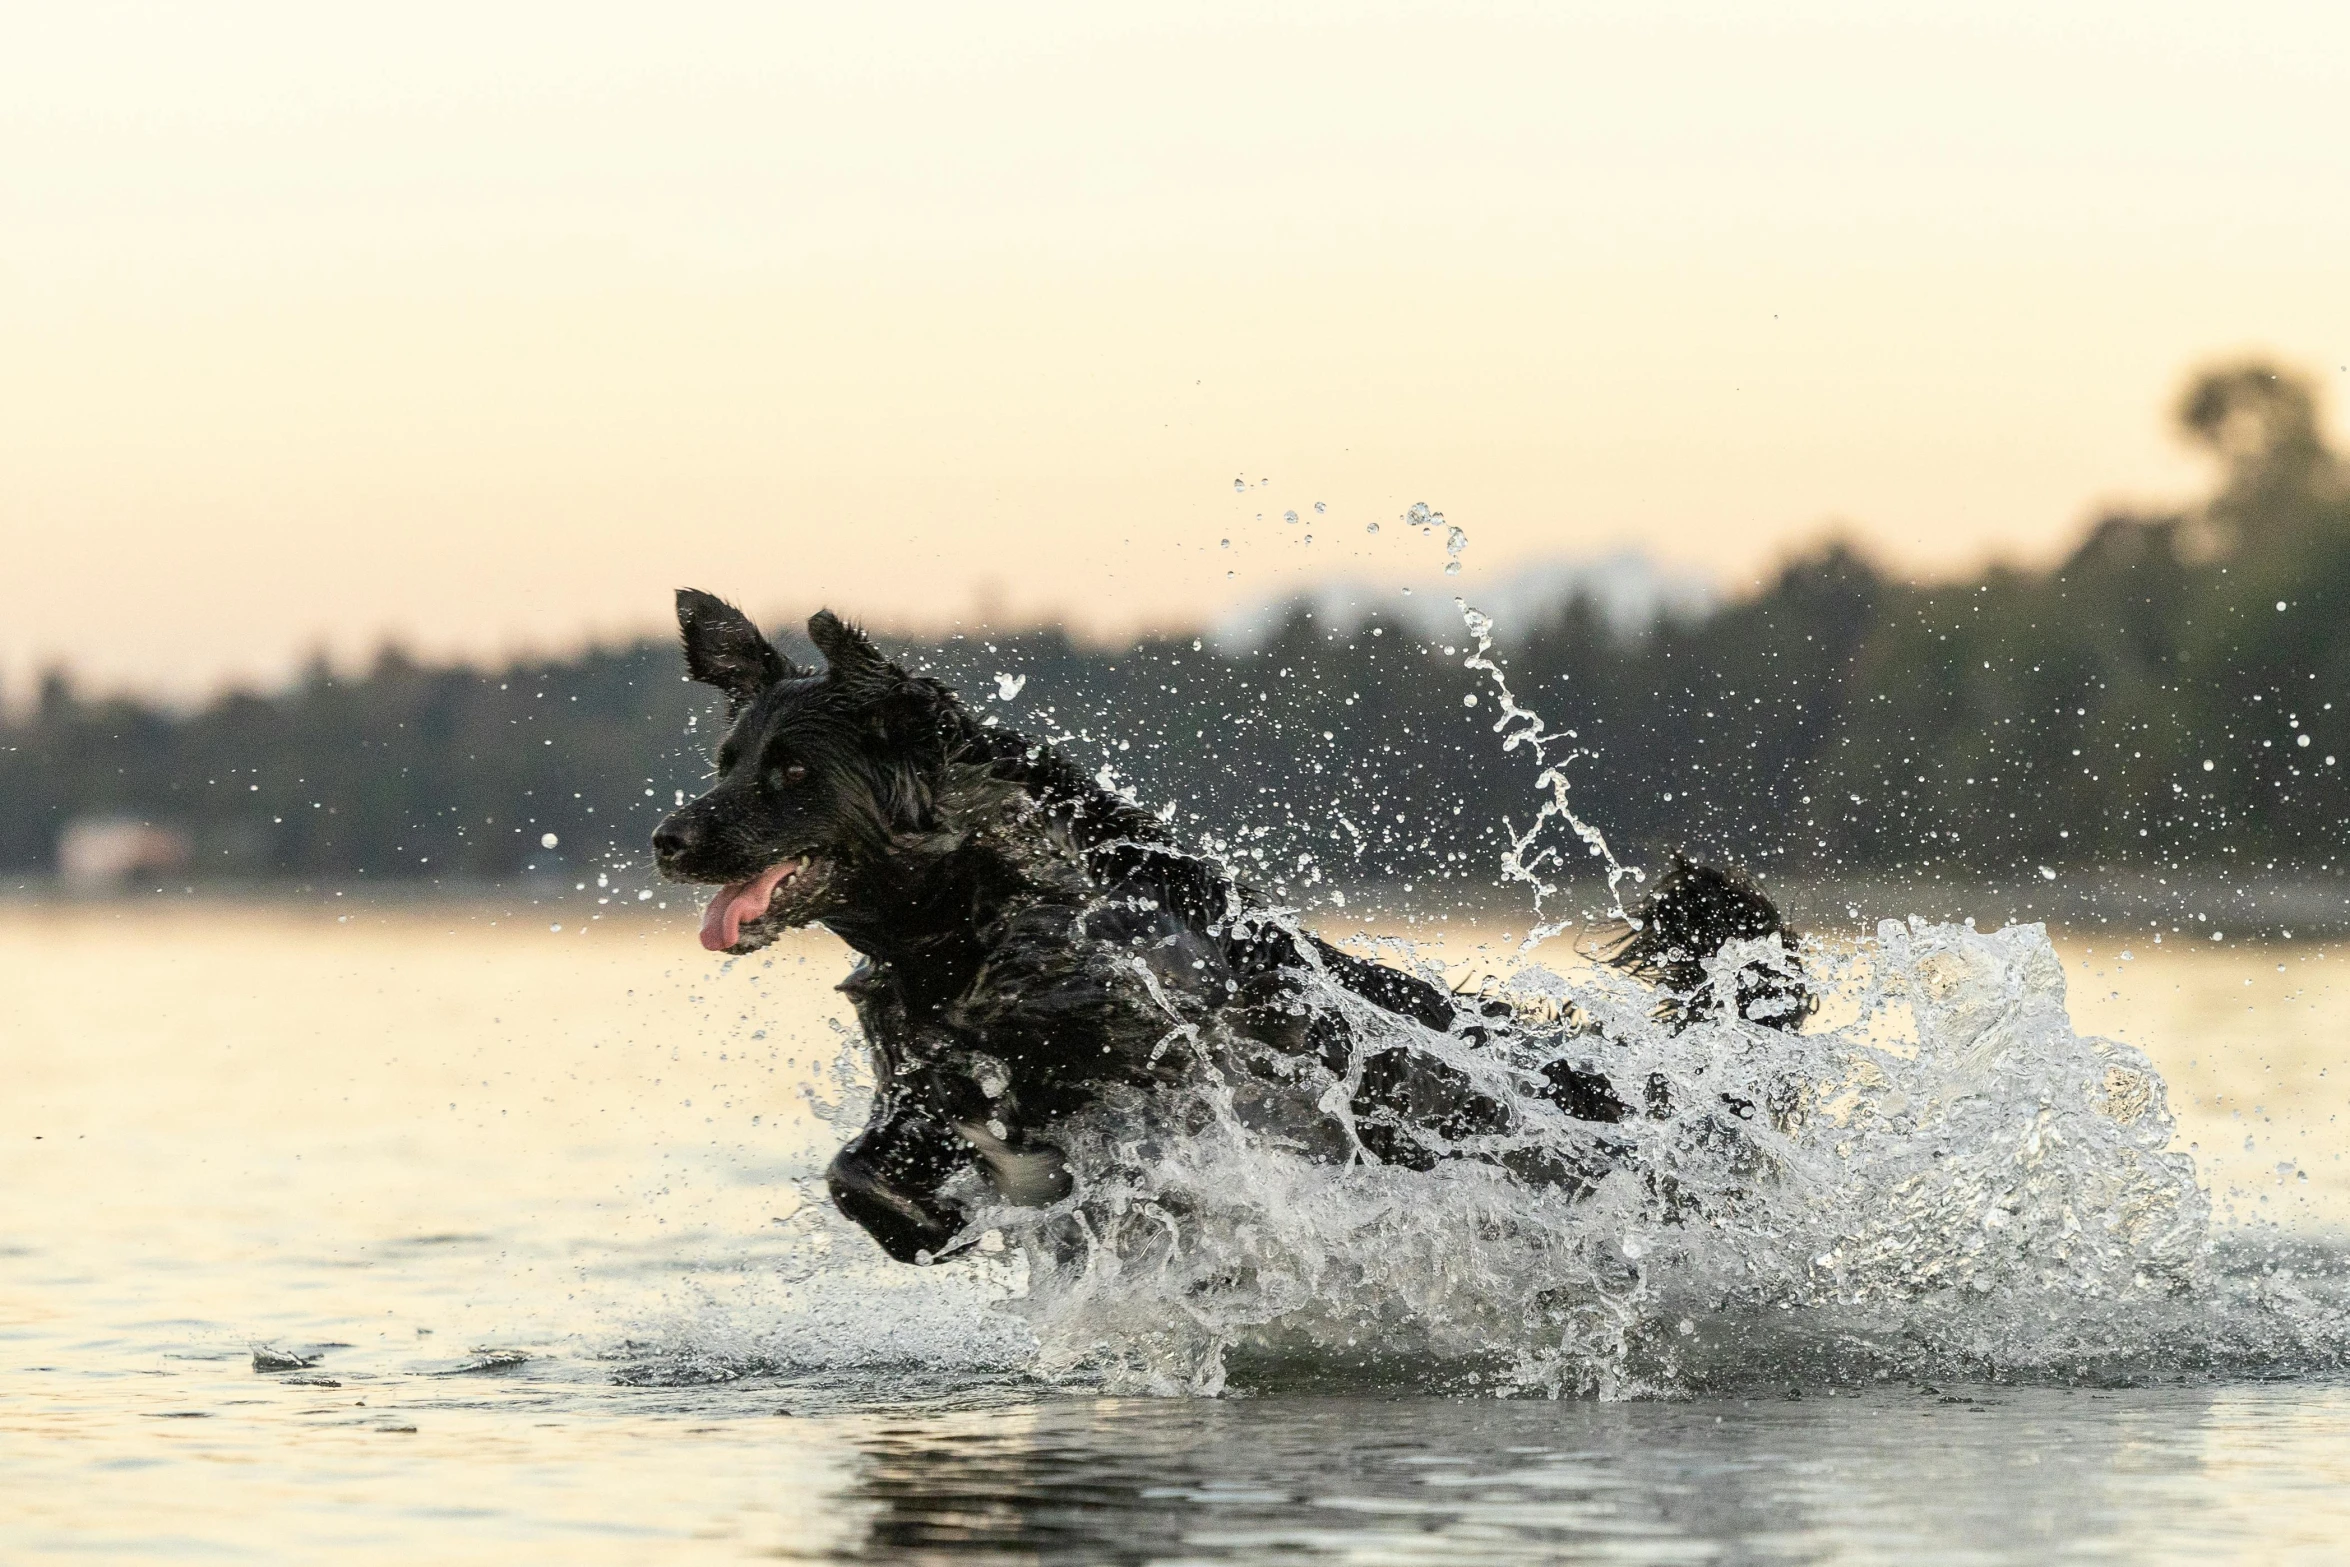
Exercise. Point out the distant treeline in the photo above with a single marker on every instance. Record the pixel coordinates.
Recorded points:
(2176, 693)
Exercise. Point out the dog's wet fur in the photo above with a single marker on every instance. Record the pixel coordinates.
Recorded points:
(1037, 948)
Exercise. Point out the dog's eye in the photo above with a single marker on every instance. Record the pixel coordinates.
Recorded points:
(790, 773)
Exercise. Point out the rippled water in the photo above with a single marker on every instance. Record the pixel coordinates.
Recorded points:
(522, 1218)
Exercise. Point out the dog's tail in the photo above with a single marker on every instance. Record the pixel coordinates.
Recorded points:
(1687, 918)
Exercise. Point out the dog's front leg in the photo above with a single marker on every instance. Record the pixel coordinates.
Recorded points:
(888, 1180)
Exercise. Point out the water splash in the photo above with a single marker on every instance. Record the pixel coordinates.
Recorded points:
(1942, 1179)
(1527, 855)
(1936, 1177)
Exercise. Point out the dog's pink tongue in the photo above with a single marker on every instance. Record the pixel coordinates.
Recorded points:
(739, 902)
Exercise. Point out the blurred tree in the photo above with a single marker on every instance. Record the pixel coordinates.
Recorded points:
(2169, 694)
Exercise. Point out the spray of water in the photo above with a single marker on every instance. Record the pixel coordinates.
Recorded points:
(1528, 855)
(1936, 1177)
(1940, 1177)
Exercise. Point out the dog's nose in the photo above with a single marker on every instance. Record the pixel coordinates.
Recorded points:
(675, 837)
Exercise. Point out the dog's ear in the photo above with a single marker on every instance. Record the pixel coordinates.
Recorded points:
(851, 661)
(723, 648)
(896, 706)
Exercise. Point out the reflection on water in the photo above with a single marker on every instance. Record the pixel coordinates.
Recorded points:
(522, 1219)
(1898, 1475)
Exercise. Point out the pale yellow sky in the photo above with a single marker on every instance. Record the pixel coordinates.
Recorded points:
(487, 324)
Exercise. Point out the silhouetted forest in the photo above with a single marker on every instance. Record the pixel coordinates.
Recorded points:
(2169, 696)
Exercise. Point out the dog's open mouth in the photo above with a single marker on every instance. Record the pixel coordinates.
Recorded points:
(752, 901)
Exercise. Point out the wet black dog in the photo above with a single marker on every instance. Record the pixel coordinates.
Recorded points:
(1037, 948)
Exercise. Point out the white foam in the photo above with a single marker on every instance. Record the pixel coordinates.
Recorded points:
(1941, 1173)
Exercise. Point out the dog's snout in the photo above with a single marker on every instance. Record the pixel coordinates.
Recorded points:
(678, 836)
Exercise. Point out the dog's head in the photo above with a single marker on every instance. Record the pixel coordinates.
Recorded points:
(817, 771)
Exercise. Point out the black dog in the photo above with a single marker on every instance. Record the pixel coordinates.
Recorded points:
(1036, 948)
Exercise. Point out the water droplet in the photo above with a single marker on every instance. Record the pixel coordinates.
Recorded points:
(548, 840)
(1008, 686)
(1289, 516)
(1370, 527)
(1455, 541)
(1452, 568)
(1320, 507)
(2207, 766)
(1239, 484)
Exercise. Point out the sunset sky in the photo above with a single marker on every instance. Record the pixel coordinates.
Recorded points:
(484, 325)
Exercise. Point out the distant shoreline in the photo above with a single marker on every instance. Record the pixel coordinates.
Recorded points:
(2270, 906)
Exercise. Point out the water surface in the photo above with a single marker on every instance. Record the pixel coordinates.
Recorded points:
(524, 1216)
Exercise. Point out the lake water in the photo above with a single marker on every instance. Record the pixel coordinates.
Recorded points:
(525, 1217)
